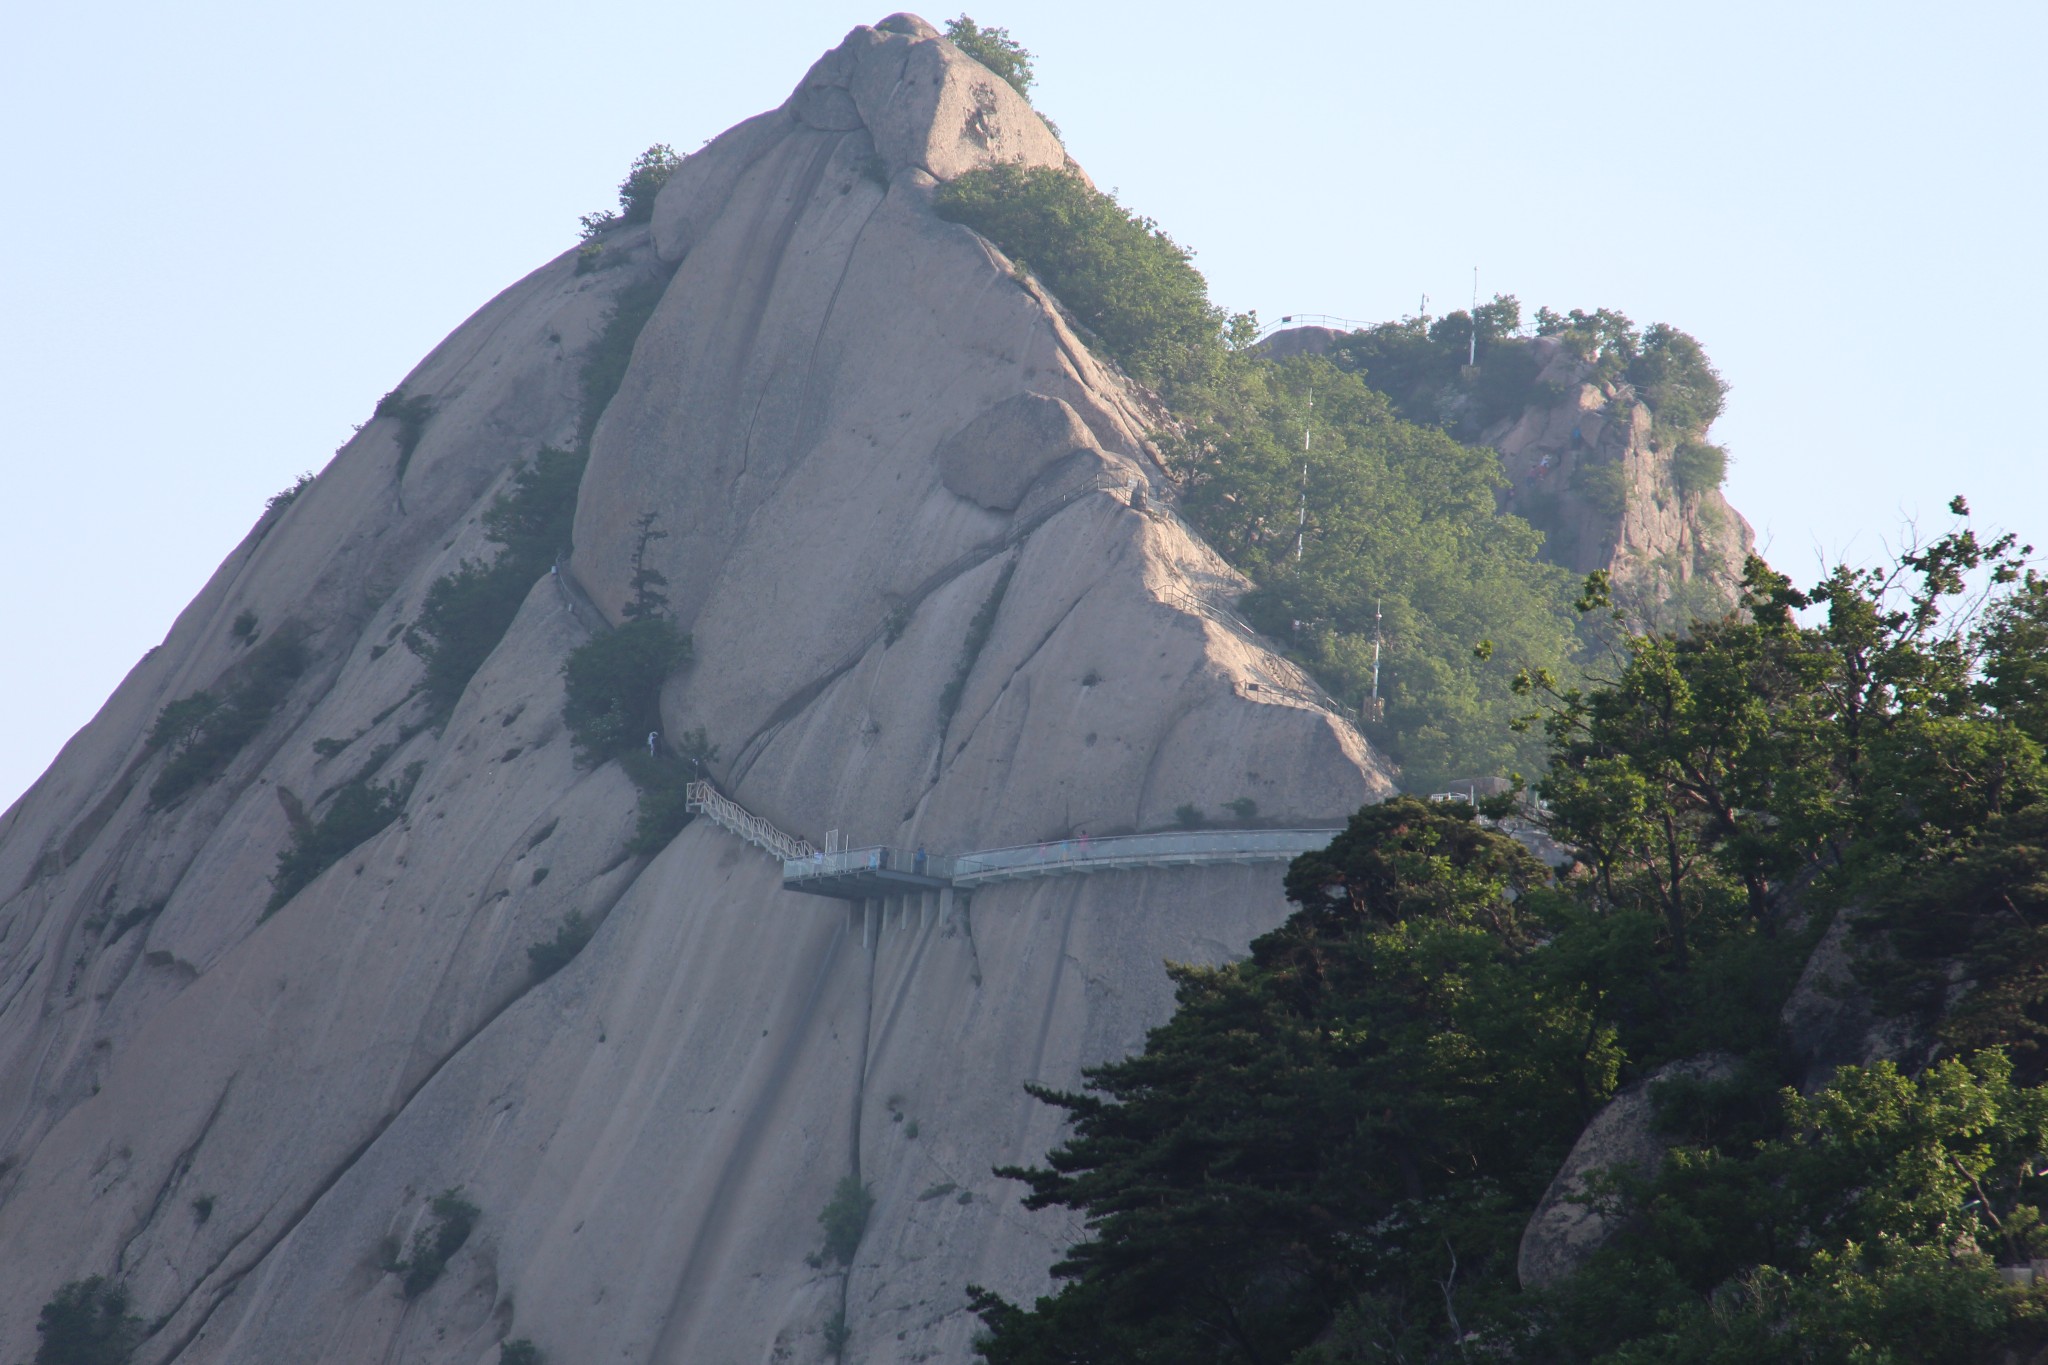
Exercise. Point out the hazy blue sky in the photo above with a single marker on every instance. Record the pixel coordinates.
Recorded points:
(231, 226)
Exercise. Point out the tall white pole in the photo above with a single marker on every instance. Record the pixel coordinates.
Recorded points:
(1301, 521)
(1375, 651)
(1472, 357)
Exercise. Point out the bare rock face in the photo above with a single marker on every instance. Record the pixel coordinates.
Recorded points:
(938, 596)
(1830, 1020)
(997, 456)
(1586, 470)
(1568, 1226)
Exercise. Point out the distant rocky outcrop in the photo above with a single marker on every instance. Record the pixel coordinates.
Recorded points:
(938, 597)
(1588, 467)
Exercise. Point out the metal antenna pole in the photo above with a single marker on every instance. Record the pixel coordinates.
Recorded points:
(1472, 358)
(1376, 650)
(1301, 521)
(1374, 709)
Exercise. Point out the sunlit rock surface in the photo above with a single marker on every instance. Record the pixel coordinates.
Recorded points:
(859, 430)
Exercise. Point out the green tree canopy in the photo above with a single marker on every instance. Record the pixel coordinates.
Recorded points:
(1330, 1152)
(1290, 1141)
(1129, 283)
(995, 49)
(649, 172)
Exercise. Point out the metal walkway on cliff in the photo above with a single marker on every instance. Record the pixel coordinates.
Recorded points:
(881, 872)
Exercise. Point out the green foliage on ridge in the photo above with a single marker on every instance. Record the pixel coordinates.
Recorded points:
(1127, 282)
(649, 172)
(995, 49)
(644, 178)
(1331, 1150)
(1421, 363)
(1398, 514)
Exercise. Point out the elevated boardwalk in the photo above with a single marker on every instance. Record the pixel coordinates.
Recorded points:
(879, 872)
(874, 873)
(1180, 848)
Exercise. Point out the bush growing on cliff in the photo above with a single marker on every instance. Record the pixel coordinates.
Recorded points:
(663, 779)
(1674, 378)
(451, 1218)
(845, 1218)
(995, 49)
(276, 503)
(612, 702)
(87, 1322)
(614, 681)
(1698, 467)
(412, 415)
(466, 614)
(614, 686)
(649, 172)
(1602, 485)
(549, 956)
(202, 733)
(359, 811)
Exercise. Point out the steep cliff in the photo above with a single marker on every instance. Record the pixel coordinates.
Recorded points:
(1588, 467)
(938, 597)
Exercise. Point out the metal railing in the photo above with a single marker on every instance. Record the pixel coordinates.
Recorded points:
(875, 858)
(803, 861)
(1288, 320)
(1178, 849)
(703, 798)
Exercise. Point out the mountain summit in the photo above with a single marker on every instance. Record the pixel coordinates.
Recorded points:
(361, 1000)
